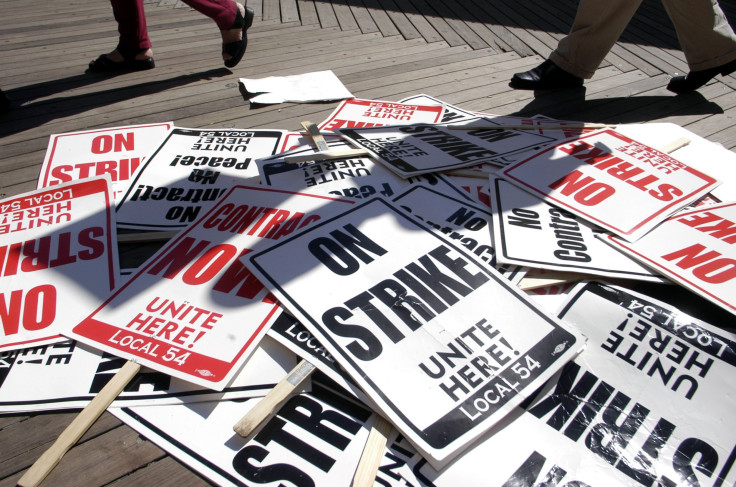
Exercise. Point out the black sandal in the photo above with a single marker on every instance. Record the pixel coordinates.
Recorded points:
(104, 64)
(236, 49)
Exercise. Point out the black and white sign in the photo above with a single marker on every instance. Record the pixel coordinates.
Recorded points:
(531, 232)
(189, 172)
(415, 149)
(383, 293)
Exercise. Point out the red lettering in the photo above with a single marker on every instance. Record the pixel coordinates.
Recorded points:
(178, 257)
(584, 189)
(237, 274)
(209, 264)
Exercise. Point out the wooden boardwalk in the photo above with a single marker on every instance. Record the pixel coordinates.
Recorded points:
(463, 52)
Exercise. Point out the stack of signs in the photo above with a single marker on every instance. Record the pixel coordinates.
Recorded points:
(398, 297)
(415, 149)
(397, 276)
(57, 245)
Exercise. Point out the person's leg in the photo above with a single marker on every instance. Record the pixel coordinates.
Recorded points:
(597, 26)
(706, 38)
(233, 20)
(133, 51)
(131, 19)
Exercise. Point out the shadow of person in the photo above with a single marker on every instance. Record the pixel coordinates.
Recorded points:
(573, 105)
(32, 106)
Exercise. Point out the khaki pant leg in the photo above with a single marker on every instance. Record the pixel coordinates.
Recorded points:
(597, 26)
(704, 33)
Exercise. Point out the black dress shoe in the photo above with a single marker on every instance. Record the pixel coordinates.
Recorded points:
(696, 79)
(546, 76)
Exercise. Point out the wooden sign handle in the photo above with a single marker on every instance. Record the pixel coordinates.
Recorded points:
(86, 418)
(317, 138)
(327, 155)
(269, 405)
(370, 460)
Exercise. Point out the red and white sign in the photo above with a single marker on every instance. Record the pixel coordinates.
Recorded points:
(696, 249)
(193, 310)
(355, 113)
(57, 247)
(615, 182)
(117, 151)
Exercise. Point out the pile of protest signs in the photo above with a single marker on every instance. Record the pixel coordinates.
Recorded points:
(464, 299)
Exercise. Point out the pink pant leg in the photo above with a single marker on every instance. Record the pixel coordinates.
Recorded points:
(131, 20)
(223, 12)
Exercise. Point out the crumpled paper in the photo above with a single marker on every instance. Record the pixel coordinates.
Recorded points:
(300, 88)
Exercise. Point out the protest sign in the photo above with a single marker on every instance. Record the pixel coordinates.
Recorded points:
(118, 152)
(615, 182)
(357, 113)
(352, 178)
(316, 439)
(69, 374)
(192, 310)
(648, 402)
(415, 149)
(189, 172)
(400, 297)
(460, 221)
(694, 248)
(527, 231)
(57, 246)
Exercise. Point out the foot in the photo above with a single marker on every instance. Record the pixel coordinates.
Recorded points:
(235, 39)
(115, 61)
(696, 79)
(546, 76)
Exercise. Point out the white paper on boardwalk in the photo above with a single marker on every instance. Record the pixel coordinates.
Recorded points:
(528, 231)
(355, 112)
(189, 172)
(359, 177)
(69, 375)
(299, 88)
(192, 310)
(426, 329)
(648, 402)
(410, 150)
(57, 246)
(316, 439)
(613, 181)
(117, 151)
(694, 248)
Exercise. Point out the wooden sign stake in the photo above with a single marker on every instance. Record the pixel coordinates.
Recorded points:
(86, 418)
(370, 460)
(269, 405)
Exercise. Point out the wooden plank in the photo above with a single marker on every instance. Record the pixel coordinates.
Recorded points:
(440, 25)
(344, 16)
(397, 17)
(307, 12)
(422, 25)
(166, 472)
(364, 19)
(289, 11)
(326, 14)
(385, 23)
(271, 10)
